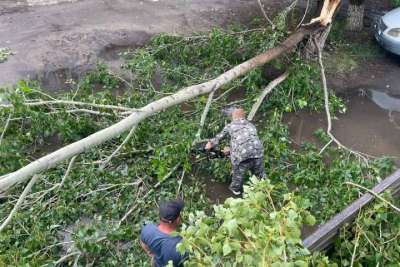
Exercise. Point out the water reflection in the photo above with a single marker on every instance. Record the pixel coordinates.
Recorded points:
(386, 102)
(365, 127)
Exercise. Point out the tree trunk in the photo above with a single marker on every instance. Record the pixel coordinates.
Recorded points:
(98, 138)
(355, 17)
(310, 51)
(181, 96)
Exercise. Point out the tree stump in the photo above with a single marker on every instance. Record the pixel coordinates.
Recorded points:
(355, 17)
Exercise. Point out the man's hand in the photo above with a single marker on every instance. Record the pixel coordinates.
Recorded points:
(227, 151)
(209, 146)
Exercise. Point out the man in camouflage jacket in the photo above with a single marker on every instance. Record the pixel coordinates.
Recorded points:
(246, 150)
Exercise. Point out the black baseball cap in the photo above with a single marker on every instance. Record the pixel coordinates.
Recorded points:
(170, 210)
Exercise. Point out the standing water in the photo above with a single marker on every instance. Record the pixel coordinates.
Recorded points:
(370, 125)
(386, 102)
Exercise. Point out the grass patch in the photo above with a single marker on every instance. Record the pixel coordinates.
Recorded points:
(348, 51)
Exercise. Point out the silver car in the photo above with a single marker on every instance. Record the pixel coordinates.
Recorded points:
(387, 31)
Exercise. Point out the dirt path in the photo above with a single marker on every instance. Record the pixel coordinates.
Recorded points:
(67, 39)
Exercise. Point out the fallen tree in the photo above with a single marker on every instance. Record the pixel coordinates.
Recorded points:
(69, 151)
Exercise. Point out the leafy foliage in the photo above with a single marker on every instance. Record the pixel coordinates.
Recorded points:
(83, 215)
(373, 238)
(396, 3)
(253, 231)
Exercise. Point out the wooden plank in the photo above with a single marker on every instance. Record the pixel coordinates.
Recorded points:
(324, 235)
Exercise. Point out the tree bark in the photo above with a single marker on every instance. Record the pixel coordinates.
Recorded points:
(355, 17)
(115, 130)
(328, 10)
(181, 96)
(311, 50)
(265, 92)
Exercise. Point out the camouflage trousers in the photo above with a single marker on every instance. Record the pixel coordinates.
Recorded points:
(254, 166)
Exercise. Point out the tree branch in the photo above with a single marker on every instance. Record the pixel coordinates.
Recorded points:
(327, 110)
(65, 257)
(69, 102)
(265, 92)
(69, 168)
(19, 202)
(107, 160)
(204, 116)
(5, 127)
(265, 14)
(305, 14)
(374, 194)
(133, 208)
(56, 186)
(52, 159)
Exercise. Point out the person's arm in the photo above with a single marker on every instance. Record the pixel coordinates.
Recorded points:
(146, 249)
(215, 141)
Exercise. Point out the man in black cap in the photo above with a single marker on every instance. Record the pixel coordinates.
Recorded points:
(157, 241)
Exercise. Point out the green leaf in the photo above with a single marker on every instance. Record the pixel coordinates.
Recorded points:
(226, 248)
(231, 225)
(309, 219)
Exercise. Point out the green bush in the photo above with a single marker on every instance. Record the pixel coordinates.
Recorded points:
(253, 231)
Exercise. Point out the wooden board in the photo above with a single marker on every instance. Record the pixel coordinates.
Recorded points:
(325, 234)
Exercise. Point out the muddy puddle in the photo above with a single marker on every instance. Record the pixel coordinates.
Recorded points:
(371, 124)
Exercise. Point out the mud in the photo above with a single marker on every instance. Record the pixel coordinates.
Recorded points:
(57, 40)
(382, 73)
(217, 192)
(367, 126)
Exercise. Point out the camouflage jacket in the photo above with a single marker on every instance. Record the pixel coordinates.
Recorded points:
(244, 141)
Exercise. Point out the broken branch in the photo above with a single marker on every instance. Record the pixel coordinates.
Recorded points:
(5, 128)
(51, 160)
(204, 116)
(328, 11)
(56, 186)
(265, 92)
(375, 195)
(265, 14)
(107, 160)
(327, 110)
(305, 14)
(19, 202)
(72, 103)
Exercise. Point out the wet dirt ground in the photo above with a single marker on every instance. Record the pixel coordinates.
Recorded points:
(55, 40)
